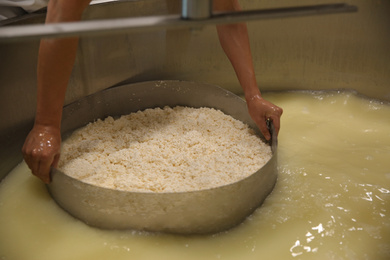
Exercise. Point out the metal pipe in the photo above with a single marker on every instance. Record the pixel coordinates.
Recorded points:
(127, 25)
(196, 9)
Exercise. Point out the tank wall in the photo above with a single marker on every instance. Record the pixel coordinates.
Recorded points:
(335, 51)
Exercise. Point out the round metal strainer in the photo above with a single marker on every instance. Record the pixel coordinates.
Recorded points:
(197, 212)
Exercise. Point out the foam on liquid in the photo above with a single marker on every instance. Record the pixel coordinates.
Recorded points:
(331, 200)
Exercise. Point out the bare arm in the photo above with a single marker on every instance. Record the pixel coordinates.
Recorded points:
(235, 43)
(55, 63)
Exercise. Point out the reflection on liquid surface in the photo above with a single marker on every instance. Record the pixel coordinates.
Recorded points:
(331, 201)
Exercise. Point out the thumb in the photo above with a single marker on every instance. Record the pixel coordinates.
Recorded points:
(55, 161)
(264, 130)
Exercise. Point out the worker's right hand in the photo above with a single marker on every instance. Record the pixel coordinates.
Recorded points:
(41, 150)
(262, 110)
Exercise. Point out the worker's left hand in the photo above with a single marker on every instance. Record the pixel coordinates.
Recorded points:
(262, 110)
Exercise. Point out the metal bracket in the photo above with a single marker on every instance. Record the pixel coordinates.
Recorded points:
(196, 9)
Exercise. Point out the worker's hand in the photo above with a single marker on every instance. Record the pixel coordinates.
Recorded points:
(262, 110)
(41, 150)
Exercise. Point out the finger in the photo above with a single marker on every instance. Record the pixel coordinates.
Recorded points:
(55, 161)
(31, 161)
(276, 123)
(26, 154)
(264, 129)
(44, 170)
(32, 164)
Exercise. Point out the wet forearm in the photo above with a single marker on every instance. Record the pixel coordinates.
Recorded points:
(55, 63)
(234, 40)
(41, 149)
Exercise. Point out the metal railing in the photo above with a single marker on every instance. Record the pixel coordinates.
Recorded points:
(195, 14)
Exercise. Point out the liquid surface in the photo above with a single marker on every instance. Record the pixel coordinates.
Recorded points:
(331, 200)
